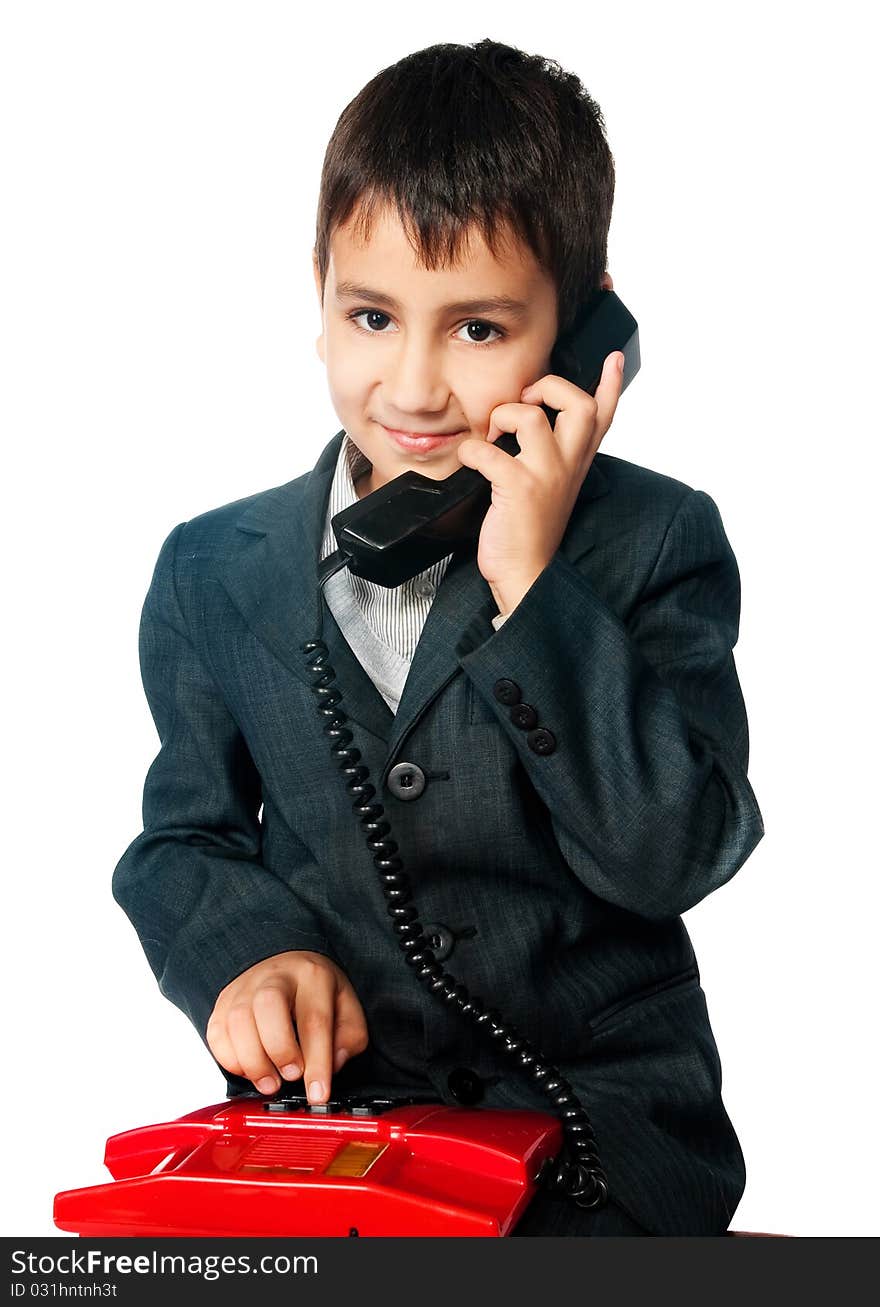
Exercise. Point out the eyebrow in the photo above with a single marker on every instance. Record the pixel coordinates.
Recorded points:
(489, 304)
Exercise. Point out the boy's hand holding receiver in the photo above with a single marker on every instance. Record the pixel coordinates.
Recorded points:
(533, 494)
(251, 1034)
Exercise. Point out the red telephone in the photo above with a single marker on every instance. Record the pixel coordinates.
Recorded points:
(354, 1166)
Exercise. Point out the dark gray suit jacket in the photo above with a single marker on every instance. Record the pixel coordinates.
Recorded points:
(560, 870)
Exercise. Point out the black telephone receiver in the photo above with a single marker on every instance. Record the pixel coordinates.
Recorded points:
(412, 522)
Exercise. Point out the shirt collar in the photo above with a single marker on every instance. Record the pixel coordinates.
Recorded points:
(356, 461)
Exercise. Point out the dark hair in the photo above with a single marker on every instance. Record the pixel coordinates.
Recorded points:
(456, 135)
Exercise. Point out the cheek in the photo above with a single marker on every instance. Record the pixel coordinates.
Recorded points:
(487, 397)
(348, 388)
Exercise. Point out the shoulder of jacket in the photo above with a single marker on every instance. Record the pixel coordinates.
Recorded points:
(214, 532)
(633, 480)
(633, 501)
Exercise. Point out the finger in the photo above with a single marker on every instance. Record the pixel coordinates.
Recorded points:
(608, 391)
(494, 464)
(539, 449)
(530, 426)
(220, 1044)
(255, 1061)
(575, 421)
(351, 1035)
(315, 1012)
(560, 393)
(275, 1027)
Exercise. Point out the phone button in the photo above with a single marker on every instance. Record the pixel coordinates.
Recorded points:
(524, 716)
(541, 741)
(507, 692)
(406, 781)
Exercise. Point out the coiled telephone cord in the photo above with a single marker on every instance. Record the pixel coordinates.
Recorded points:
(577, 1173)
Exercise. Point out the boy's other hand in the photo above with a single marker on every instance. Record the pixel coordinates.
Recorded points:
(251, 1029)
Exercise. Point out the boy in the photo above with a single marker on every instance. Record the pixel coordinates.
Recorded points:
(552, 719)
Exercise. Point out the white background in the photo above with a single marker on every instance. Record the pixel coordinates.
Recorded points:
(160, 163)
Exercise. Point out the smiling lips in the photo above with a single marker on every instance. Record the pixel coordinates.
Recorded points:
(422, 444)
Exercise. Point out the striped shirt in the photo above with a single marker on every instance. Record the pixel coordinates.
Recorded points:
(381, 624)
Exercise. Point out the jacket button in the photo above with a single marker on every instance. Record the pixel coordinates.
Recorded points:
(440, 940)
(524, 716)
(465, 1085)
(406, 781)
(541, 740)
(507, 692)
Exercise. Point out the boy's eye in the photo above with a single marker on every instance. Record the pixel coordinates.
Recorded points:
(370, 314)
(377, 321)
(482, 326)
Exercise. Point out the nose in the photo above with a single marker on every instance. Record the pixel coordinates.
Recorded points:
(415, 382)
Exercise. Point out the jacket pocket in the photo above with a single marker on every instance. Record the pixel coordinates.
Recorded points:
(611, 1016)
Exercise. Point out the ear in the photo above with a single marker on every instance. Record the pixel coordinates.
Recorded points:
(319, 343)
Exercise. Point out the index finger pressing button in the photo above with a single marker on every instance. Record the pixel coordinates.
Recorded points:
(314, 1024)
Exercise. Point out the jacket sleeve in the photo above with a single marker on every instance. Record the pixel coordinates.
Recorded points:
(193, 883)
(644, 770)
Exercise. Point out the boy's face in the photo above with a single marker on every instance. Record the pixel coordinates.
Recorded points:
(402, 344)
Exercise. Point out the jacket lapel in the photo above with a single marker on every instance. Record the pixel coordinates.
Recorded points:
(273, 582)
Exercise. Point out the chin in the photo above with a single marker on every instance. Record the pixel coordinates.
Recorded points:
(430, 460)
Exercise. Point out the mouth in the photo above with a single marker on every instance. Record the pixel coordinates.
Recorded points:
(416, 443)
